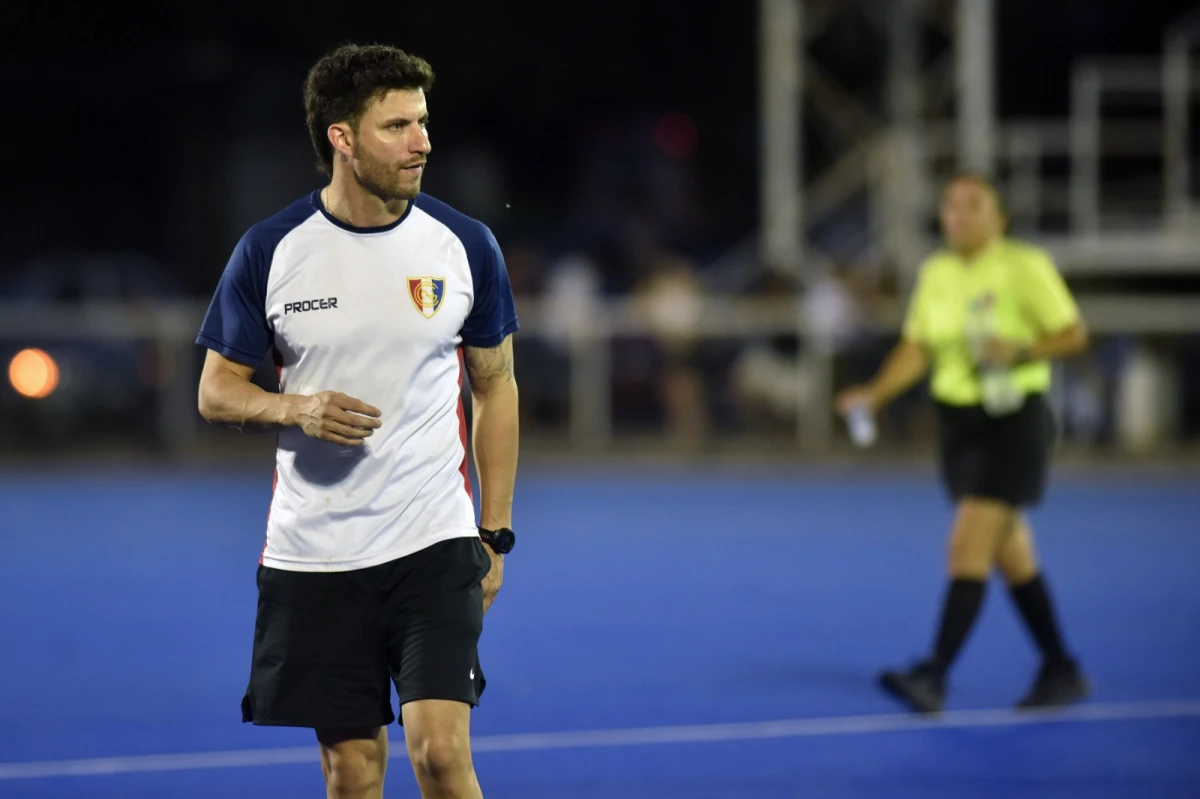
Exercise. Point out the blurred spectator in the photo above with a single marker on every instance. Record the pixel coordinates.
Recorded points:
(569, 292)
(771, 376)
(831, 307)
(670, 300)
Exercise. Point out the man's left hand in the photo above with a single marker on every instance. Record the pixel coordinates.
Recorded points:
(494, 578)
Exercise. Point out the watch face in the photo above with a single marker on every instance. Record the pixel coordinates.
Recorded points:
(505, 540)
(501, 541)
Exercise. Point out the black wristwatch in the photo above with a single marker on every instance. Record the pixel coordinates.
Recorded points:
(501, 541)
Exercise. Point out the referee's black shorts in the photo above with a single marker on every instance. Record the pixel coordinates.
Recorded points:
(329, 645)
(1004, 458)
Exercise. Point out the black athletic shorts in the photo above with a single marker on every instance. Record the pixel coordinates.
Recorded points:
(329, 645)
(1005, 458)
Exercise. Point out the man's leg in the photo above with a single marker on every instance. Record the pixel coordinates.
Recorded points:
(354, 762)
(434, 609)
(438, 735)
(319, 662)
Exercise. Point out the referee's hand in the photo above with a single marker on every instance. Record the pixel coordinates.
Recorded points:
(854, 397)
(334, 417)
(998, 352)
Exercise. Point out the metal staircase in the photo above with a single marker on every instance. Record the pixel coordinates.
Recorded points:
(1112, 187)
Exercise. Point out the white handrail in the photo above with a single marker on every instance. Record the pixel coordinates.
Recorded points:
(174, 326)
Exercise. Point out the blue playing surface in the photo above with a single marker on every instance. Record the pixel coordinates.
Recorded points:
(632, 601)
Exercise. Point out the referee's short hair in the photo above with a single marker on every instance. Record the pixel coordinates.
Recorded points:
(342, 84)
(980, 179)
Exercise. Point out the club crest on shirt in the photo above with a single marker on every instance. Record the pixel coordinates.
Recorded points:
(426, 294)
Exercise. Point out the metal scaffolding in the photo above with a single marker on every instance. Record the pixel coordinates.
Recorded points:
(938, 114)
(781, 27)
(975, 84)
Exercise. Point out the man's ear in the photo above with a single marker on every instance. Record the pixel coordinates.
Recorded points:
(341, 138)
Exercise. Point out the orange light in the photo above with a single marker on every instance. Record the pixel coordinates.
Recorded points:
(33, 373)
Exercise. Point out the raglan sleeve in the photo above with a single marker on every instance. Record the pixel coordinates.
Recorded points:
(493, 315)
(235, 325)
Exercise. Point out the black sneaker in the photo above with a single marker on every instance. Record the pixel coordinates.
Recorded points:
(1057, 684)
(921, 688)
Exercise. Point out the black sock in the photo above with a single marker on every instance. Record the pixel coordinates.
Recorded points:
(1033, 601)
(959, 609)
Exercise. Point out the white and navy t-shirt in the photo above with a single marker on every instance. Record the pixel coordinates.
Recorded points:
(378, 314)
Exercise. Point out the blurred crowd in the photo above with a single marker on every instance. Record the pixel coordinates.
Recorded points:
(642, 224)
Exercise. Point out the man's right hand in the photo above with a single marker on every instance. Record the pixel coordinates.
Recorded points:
(334, 417)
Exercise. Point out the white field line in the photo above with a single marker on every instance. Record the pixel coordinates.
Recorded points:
(638, 736)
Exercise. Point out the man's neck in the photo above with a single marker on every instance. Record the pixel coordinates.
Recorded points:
(345, 199)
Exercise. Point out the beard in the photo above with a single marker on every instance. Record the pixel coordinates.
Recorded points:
(388, 182)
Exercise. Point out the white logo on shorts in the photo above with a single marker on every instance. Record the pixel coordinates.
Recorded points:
(472, 673)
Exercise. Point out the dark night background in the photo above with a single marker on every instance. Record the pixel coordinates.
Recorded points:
(612, 147)
(124, 119)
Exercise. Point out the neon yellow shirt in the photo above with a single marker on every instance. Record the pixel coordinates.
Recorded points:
(1028, 301)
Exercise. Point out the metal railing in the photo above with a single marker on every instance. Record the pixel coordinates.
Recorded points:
(173, 327)
(1150, 227)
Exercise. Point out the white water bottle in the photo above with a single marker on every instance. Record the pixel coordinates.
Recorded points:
(999, 393)
(860, 421)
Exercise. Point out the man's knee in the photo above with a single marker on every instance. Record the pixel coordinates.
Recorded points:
(440, 757)
(354, 764)
(437, 733)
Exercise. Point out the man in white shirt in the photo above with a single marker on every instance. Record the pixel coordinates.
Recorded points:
(370, 296)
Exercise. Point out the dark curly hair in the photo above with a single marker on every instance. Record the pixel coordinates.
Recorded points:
(341, 85)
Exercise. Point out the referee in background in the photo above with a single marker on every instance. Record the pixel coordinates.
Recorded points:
(987, 315)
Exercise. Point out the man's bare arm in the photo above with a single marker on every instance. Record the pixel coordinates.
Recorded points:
(228, 398)
(495, 403)
(494, 400)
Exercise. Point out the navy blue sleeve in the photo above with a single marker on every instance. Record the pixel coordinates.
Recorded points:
(236, 323)
(493, 316)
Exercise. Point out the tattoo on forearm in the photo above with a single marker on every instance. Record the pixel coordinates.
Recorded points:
(490, 364)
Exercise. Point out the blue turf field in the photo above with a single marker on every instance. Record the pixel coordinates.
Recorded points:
(631, 602)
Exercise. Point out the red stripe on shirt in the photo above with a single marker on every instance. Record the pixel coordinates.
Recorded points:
(462, 426)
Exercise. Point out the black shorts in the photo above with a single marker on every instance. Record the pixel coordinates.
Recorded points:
(329, 645)
(1004, 458)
